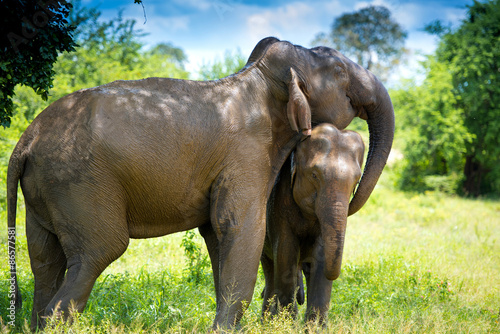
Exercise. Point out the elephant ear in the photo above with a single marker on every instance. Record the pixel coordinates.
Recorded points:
(298, 110)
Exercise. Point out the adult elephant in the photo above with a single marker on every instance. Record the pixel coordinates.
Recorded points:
(141, 159)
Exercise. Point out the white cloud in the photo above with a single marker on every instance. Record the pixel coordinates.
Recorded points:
(223, 8)
(298, 22)
(158, 27)
(455, 15)
(422, 42)
(410, 16)
(416, 15)
(174, 24)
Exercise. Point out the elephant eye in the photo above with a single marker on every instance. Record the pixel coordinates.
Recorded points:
(314, 175)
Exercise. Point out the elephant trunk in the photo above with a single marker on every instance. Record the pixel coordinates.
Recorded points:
(381, 123)
(333, 221)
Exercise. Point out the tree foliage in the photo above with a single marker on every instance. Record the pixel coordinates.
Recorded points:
(32, 35)
(434, 132)
(472, 53)
(176, 54)
(220, 68)
(370, 36)
(452, 121)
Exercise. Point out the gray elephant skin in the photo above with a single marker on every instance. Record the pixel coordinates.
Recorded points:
(306, 220)
(146, 158)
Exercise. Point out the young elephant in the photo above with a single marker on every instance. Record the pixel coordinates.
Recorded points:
(306, 222)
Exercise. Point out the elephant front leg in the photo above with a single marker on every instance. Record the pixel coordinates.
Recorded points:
(240, 230)
(286, 273)
(268, 292)
(319, 288)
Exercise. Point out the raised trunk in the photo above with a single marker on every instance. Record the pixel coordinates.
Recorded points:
(333, 221)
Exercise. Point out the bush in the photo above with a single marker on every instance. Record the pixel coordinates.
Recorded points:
(198, 268)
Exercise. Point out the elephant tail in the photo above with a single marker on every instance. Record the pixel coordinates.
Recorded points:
(14, 173)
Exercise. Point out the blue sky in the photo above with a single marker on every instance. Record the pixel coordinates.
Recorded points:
(205, 29)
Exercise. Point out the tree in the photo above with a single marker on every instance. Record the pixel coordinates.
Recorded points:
(370, 36)
(452, 121)
(231, 63)
(106, 49)
(433, 131)
(32, 34)
(177, 54)
(472, 55)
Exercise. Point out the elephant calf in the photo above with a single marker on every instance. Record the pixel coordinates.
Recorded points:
(306, 222)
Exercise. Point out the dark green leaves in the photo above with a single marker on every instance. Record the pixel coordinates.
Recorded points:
(452, 121)
(32, 35)
(472, 53)
(434, 132)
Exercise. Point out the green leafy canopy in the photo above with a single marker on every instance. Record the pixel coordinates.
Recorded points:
(32, 35)
(472, 53)
(452, 121)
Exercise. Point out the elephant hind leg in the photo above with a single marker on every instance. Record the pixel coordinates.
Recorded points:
(48, 264)
(92, 238)
(83, 270)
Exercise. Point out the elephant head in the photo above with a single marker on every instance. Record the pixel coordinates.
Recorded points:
(325, 172)
(323, 83)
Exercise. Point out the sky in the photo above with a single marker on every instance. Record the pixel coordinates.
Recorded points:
(206, 29)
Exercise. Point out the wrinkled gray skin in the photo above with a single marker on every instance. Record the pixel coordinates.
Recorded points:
(146, 158)
(306, 222)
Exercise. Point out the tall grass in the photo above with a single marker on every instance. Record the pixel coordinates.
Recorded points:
(425, 263)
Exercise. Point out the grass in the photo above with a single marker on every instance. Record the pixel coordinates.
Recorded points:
(423, 263)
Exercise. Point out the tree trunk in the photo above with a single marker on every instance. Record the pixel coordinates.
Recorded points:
(473, 177)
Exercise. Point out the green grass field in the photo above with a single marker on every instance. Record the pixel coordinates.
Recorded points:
(424, 263)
